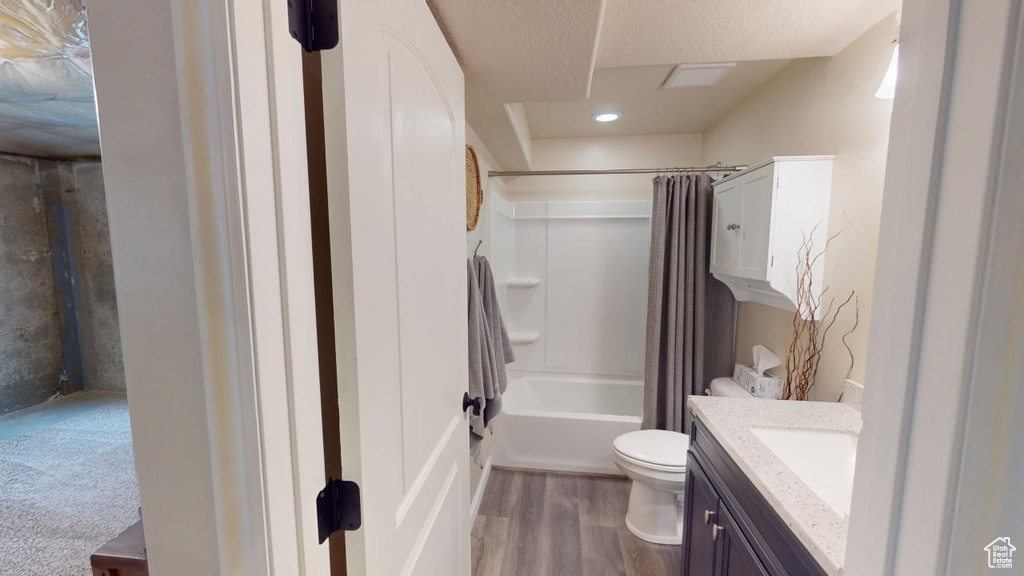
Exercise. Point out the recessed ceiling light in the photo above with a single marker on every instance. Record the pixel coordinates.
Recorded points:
(606, 116)
(697, 75)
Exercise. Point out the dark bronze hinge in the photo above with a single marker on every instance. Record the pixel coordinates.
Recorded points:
(338, 508)
(314, 23)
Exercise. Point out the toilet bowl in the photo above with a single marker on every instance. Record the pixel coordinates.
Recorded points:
(655, 460)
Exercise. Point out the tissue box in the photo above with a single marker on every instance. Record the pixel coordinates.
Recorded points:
(759, 386)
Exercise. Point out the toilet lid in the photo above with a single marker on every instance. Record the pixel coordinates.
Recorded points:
(658, 447)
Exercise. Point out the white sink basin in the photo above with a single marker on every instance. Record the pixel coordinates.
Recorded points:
(823, 460)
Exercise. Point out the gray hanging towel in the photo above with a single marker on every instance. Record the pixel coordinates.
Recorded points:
(481, 368)
(489, 350)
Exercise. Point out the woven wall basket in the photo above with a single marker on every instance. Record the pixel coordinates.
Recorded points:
(474, 193)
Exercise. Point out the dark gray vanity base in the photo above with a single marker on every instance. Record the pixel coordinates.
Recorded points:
(730, 529)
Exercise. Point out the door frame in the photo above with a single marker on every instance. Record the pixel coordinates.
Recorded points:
(223, 388)
(942, 176)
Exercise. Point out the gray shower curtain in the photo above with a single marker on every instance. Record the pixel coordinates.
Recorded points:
(689, 313)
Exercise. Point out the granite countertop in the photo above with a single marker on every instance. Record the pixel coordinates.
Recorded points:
(814, 522)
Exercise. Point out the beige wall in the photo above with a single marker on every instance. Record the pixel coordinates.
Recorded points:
(486, 162)
(821, 106)
(602, 154)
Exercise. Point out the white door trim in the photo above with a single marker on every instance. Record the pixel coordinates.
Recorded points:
(271, 132)
(478, 492)
(935, 217)
(988, 504)
(205, 166)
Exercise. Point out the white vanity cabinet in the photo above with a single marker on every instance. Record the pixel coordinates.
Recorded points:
(761, 218)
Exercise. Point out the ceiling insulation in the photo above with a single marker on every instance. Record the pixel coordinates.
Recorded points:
(47, 106)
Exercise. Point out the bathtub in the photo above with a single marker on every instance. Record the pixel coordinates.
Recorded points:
(565, 423)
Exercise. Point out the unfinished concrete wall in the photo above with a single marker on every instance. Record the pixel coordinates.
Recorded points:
(64, 271)
(30, 344)
(83, 273)
(100, 338)
(58, 309)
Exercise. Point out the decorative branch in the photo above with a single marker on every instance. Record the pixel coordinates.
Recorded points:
(809, 335)
(856, 322)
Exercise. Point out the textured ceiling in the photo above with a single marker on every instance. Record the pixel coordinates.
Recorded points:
(636, 92)
(524, 50)
(644, 32)
(520, 51)
(46, 91)
(535, 51)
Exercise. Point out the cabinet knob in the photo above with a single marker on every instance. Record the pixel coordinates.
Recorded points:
(709, 515)
(716, 532)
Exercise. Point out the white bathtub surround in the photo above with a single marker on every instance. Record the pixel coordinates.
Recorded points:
(577, 294)
(592, 209)
(800, 484)
(520, 338)
(565, 422)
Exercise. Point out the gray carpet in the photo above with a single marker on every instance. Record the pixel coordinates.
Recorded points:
(65, 490)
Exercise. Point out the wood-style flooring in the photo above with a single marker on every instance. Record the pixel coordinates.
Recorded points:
(546, 524)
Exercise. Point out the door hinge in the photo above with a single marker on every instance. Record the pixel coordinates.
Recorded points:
(314, 23)
(338, 508)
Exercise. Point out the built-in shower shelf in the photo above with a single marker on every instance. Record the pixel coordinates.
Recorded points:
(523, 282)
(523, 337)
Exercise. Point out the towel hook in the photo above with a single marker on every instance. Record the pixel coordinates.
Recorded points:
(477, 247)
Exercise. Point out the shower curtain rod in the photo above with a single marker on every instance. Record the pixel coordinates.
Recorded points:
(686, 169)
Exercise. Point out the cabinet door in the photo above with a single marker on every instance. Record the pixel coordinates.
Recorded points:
(755, 223)
(725, 227)
(735, 555)
(701, 509)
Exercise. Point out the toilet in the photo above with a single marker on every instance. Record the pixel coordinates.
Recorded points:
(655, 460)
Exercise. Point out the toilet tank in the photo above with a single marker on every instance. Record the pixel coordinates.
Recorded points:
(726, 387)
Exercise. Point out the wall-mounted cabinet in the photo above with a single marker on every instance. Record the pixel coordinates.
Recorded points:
(763, 219)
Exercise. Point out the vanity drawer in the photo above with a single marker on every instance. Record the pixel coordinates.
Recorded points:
(775, 545)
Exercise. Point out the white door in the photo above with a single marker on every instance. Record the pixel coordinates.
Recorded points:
(395, 137)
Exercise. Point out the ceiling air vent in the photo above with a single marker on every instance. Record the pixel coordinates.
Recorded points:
(697, 75)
